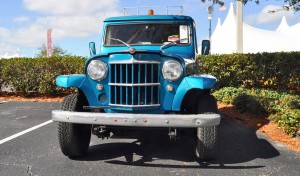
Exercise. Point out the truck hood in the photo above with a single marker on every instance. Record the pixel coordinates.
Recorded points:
(163, 53)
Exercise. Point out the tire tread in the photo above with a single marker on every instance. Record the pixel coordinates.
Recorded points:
(73, 139)
(206, 136)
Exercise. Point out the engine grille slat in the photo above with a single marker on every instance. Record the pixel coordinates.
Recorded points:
(139, 80)
(134, 84)
(152, 87)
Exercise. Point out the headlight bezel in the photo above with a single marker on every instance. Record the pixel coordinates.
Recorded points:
(167, 77)
(94, 76)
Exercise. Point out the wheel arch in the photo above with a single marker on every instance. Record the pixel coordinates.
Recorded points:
(78, 81)
(190, 84)
(188, 104)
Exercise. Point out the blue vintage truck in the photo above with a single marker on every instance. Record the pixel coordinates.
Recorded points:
(145, 76)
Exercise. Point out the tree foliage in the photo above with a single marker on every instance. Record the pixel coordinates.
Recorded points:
(56, 51)
(293, 5)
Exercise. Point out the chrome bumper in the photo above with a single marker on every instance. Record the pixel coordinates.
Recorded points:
(138, 120)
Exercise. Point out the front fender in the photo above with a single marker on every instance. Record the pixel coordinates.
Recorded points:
(200, 82)
(79, 81)
(67, 81)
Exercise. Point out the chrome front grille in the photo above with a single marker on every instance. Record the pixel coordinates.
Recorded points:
(134, 84)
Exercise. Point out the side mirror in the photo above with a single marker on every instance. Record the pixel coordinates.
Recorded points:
(205, 47)
(92, 48)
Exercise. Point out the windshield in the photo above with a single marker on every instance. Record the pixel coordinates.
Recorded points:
(147, 34)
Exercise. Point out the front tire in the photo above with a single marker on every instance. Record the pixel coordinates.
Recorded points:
(206, 136)
(74, 139)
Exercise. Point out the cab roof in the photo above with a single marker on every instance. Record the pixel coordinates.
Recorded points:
(150, 18)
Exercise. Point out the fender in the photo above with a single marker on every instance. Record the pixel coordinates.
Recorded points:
(192, 82)
(67, 81)
(78, 81)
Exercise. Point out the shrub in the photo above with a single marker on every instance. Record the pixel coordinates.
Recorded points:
(276, 71)
(294, 104)
(248, 104)
(27, 76)
(228, 94)
(288, 120)
(283, 108)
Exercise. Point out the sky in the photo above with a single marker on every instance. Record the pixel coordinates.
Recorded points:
(23, 23)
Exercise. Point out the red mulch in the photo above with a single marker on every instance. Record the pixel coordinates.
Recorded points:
(32, 99)
(262, 124)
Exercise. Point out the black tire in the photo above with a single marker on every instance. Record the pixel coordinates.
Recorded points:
(206, 136)
(74, 139)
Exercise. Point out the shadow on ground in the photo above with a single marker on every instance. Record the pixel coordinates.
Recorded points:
(237, 144)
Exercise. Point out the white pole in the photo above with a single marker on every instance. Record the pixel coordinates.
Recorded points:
(210, 13)
(239, 31)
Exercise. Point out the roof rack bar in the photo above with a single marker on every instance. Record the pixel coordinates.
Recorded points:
(138, 9)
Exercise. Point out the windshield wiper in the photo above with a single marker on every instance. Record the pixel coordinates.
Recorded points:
(169, 43)
(121, 41)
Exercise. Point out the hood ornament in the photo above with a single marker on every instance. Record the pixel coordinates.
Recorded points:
(131, 50)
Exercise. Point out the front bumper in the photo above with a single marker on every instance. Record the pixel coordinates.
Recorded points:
(138, 120)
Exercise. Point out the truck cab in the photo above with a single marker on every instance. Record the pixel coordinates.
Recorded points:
(144, 76)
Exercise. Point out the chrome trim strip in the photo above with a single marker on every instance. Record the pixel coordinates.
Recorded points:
(135, 106)
(138, 120)
(134, 85)
(133, 61)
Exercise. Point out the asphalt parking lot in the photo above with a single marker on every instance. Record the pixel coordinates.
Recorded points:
(241, 151)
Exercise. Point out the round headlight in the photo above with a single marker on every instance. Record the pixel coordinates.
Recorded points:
(172, 70)
(97, 70)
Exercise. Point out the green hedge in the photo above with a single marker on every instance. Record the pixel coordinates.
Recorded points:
(25, 76)
(282, 108)
(276, 71)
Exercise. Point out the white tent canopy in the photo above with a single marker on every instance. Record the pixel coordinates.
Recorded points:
(284, 38)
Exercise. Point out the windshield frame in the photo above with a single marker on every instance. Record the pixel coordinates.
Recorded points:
(190, 33)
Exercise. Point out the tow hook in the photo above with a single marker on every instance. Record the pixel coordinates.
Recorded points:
(172, 134)
(101, 132)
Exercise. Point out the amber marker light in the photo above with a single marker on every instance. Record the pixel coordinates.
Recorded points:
(170, 88)
(151, 12)
(99, 87)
